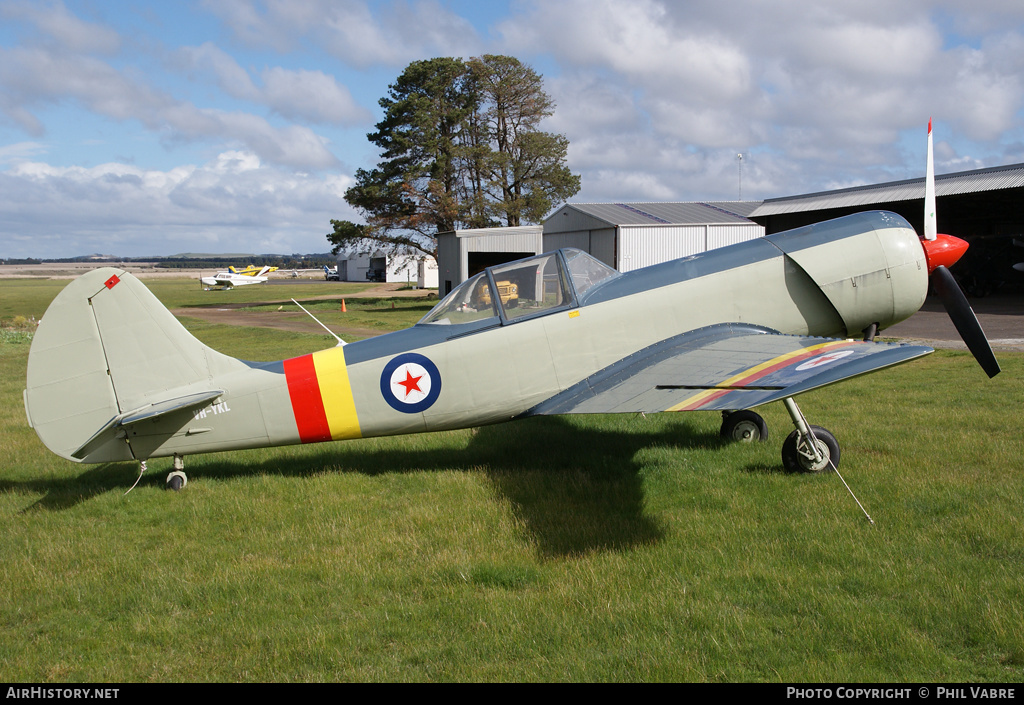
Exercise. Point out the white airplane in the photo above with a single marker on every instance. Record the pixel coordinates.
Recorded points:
(231, 279)
(296, 273)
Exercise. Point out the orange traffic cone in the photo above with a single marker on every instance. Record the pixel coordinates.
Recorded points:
(343, 309)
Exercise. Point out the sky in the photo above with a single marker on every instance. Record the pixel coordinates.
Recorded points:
(147, 128)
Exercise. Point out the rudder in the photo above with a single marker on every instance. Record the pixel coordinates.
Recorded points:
(107, 347)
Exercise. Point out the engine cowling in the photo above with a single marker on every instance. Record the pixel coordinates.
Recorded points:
(870, 266)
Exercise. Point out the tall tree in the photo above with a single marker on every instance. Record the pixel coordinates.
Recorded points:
(413, 190)
(460, 147)
(525, 170)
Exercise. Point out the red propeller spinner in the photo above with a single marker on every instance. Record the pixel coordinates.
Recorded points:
(944, 250)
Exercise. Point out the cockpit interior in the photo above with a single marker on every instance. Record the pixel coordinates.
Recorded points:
(522, 289)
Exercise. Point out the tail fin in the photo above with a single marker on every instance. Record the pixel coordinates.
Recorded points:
(106, 353)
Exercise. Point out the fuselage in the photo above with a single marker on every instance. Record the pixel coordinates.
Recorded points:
(830, 279)
(502, 356)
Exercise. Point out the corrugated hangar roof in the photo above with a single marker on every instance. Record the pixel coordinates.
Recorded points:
(1002, 177)
(503, 231)
(668, 213)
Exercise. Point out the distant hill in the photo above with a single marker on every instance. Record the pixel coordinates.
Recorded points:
(294, 261)
(204, 255)
(191, 260)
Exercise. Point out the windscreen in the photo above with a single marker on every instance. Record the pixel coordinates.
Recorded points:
(524, 288)
(586, 271)
(531, 286)
(470, 301)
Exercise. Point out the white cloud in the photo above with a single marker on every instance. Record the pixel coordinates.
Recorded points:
(309, 96)
(232, 203)
(392, 33)
(56, 24)
(637, 43)
(819, 90)
(40, 77)
(37, 76)
(276, 25)
(20, 151)
(313, 96)
(210, 59)
(291, 145)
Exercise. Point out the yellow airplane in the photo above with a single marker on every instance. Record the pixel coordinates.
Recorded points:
(251, 270)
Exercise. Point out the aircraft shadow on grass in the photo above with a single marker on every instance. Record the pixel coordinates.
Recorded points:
(575, 490)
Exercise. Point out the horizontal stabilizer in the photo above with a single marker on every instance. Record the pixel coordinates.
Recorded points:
(188, 401)
(150, 411)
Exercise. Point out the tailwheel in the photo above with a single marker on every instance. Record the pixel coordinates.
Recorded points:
(744, 427)
(176, 480)
(798, 454)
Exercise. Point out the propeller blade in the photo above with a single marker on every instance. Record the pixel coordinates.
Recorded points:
(963, 317)
(930, 226)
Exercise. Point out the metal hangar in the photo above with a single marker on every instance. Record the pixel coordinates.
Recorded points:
(982, 206)
(463, 253)
(629, 236)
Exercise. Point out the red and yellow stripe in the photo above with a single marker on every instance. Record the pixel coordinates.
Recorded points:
(321, 396)
(751, 375)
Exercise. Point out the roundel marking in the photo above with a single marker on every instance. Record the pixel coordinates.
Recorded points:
(824, 359)
(410, 383)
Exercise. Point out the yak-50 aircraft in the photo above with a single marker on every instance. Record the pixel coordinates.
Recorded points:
(239, 277)
(113, 376)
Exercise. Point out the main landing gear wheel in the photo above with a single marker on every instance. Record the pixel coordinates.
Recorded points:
(744, 427)
(797, 455)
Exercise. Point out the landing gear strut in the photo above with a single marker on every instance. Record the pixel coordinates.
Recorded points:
(808, 448)
(812, 449)
(176, 480)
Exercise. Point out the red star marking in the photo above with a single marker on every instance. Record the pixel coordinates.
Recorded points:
(411, 383)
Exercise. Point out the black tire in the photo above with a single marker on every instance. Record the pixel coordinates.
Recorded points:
(795, 461)
(176, 480)
(744, 427)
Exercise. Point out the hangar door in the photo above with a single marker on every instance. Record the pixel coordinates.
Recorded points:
(479, 261)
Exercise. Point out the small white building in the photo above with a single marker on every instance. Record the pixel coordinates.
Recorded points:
(412, 267)
(629, 236)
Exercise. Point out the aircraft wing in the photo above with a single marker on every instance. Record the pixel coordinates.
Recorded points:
(724, 367)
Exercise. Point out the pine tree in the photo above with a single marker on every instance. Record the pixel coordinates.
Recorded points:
(460, 148)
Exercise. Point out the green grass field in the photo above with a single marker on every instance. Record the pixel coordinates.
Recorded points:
(605, 548)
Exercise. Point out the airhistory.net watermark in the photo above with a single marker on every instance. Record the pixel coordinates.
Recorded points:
(40, 693)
